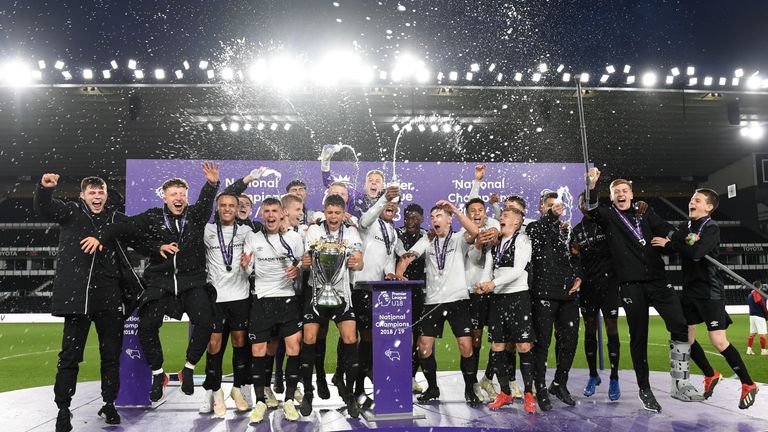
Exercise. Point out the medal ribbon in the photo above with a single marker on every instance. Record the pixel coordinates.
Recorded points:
(179, 229)
(501, 250)
(637, 230)
(227, 251)
(385, 234)
(440, 254)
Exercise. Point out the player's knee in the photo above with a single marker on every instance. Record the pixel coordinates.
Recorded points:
(523, 347)
(214, 347)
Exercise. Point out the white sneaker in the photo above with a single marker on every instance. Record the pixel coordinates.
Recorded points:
(298, 396)
(416, 387)
(487, 386)
(749, 351)
(478, 392)
(219, 406)
(247, 391)
(516, 392)
(271, 399)
(289, 409)
(237, 396)
(764, 352)
(207, 406)
(257, 415)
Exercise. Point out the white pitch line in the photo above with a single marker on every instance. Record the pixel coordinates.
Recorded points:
(28, 354)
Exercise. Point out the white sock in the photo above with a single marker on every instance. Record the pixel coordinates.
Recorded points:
(189, 366)
(158, 372)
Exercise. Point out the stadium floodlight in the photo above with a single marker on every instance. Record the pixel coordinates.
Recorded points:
(708, 81)
(210, 73)
(247, 127)
(106, 74)
(185, 64)
(499, 77)
(67, 75)
(604, 78)
(469, 76)
(610, 69)
(408, 66)
(649, 79)
(456, 128)
(754, 131)
(59, 65)
(518, 76)
(630, 79)
(735, 82)
(227, 74)
(210, 127)
(223, 126)
(260, 126)
(566, 77)
(15, 73)
(258, 71)
(584, 77)
(446, 128)
(453, 76)
(433, 127)
(287, 127)
(36, 74)
(159, 74)
(203, 64)
(408, 127)
(738, 73)
(113, 63)
(440, 76)
(670, 79)
(234, 126)
(675, 71)
(753, 82)
(131, 64)
(87, 74)
(273, 127)
(469, 128)
(422, 128)
(765, 83)
(690, 70)
(474, 67)
(395, 127)
(543, 68)
(382, 75)
(693, 81)
(536, 77)
(627, 68)
(560, 68)
(179, 74)
(492, 67)
(139, 74)
(41, 64)
(722, 81)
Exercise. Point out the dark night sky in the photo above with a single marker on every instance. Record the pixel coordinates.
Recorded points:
(716, 36)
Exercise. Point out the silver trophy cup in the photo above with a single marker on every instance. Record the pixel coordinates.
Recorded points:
(329, 260)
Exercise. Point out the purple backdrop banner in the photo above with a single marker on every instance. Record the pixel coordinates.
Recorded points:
(421, 182)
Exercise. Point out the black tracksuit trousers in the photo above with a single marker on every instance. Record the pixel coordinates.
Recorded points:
(563, 315)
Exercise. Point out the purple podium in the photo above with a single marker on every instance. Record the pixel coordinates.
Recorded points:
(392, 335)
(135, 373)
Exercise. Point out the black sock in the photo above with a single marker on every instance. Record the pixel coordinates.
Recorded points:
(291, 376)
(279, 358)
(351, 365)
(590, 352)
(365, 356)
(733, 358)
(429, 367)
(307, 363)
(698, 357)
(490, 370)
(416, 361)
(257, 377)
(511, 364)
(340, 357)
(320, 359)
(269, 364)
(241, 359)
(613, 354)
(469, 372)
(475, 358)
(213, 371)
(526, 370)
(498, 360)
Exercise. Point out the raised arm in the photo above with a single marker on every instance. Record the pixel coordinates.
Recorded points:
(200, 212)
(45, 205)
(464, 220)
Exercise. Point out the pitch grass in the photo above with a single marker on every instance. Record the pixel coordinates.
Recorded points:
(28, 352)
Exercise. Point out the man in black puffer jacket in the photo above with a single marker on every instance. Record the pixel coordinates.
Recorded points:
(176, 276)
(87, 288)
(554, 287)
